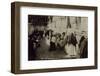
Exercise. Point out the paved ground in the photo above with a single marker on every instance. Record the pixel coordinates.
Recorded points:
(43, 53)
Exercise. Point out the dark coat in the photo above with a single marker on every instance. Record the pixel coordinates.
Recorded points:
(82, 38)
(73, 39)
(84, 49)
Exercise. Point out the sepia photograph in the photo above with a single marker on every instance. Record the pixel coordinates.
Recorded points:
(53, 37)
(57, 37)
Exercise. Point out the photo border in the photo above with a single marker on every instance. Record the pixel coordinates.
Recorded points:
(15, 36)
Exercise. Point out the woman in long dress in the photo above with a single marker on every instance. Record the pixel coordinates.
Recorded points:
(68, 42)
(69, 47)
(74, 43)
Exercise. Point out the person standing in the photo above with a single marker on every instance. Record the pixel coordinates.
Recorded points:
(53, 43)
(84, 49)
(68, 45)
(74, 43)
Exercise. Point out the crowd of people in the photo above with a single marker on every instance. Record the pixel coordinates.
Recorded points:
(65, 41)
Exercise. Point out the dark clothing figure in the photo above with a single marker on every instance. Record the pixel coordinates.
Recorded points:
(68, 39)
(53, 43)
(82, 38)
(52, 46)
(61, 44)
(31, 48)
(84, 49)
(73, 39)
